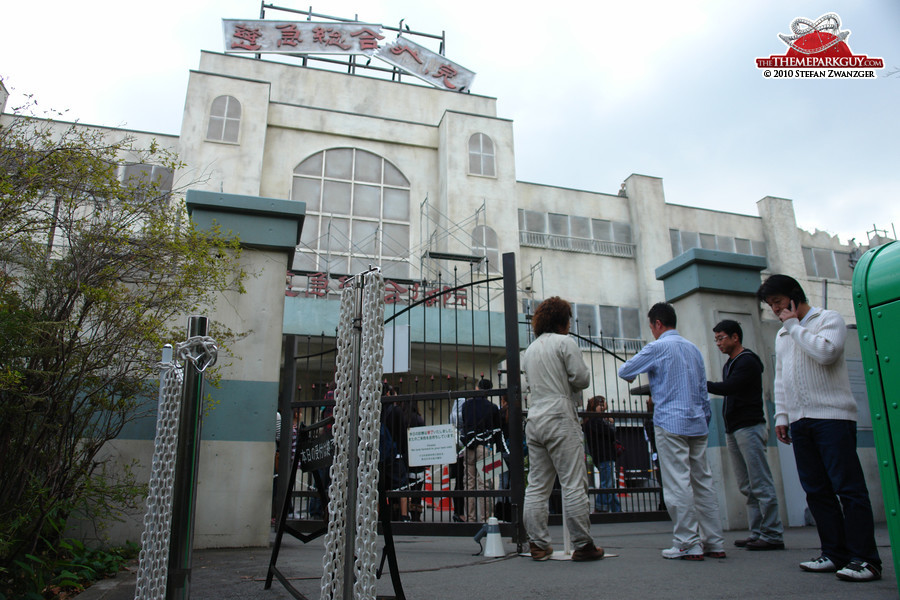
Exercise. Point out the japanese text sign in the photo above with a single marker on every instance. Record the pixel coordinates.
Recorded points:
(428, 66)
(300, 37)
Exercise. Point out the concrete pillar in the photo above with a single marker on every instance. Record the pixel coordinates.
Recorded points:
(237, 452)
(647, 207)
(782, 236)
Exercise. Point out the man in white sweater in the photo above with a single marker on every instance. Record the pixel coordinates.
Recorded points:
(815, 411)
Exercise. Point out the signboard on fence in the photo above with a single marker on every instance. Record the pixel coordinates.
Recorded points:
(432, 445)
(316, 453)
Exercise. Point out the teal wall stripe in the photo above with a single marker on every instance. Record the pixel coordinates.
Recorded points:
(244, 411)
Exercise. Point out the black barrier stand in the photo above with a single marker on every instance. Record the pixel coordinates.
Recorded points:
(187, 461)
(314, 454)
(307, 446)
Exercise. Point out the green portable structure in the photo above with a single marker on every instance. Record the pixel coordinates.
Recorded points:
(876, 301)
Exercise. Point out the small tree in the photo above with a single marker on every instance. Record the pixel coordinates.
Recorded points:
(95, 270)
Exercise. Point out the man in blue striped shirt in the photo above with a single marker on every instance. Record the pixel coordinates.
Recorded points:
(681, 425)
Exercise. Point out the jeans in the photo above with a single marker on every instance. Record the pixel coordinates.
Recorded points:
(747, 447)
(556, 448)
(607, 501)
(690, 493)
(836, 492)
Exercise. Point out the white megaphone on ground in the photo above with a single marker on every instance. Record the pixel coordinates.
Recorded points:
(494, 545)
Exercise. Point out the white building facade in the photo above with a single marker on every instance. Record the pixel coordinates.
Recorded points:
(392, 173)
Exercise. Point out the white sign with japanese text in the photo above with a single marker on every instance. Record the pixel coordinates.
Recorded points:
(432, 445)
(312, 37)
(293, 37)
(428, 66)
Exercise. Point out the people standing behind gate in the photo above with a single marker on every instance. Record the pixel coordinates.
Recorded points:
(681, 417)
(556, 375)
(600, 433)
(481, 437)
(416, 474)
(458, 469)
(746, 435)
(393, 450)
(815, 410)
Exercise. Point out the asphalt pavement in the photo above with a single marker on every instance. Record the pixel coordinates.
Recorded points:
(444, 567)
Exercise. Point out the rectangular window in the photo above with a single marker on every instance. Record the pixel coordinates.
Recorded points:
(621, 232)
(689, 239)
(707, 241)
(845, 273)
(631, 323)
(585, 320)
(825, 266)
(559, 224)
(742, 246)
(609, 321)
(808, 261)
(675, 240)
(535, 221)
(725, 243)
(602, 230)
(581, 227)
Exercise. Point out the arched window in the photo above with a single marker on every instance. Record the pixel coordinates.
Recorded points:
(357, 213)
(224, 120)
(481, 155)
(485, 243)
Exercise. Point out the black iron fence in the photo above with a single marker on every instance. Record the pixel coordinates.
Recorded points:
(452, 351)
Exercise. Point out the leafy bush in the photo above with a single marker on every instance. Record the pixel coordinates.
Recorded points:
(95, 268)
(61, 575)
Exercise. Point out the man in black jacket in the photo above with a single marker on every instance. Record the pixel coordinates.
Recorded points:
(480, 436)
(746, 435)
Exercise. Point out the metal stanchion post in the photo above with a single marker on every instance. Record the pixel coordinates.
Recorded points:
(184, 496)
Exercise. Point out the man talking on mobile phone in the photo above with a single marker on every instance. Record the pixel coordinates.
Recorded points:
(815, 411)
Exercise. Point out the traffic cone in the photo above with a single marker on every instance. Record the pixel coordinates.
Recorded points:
(428, 487)
(621, 484)
(445, 503)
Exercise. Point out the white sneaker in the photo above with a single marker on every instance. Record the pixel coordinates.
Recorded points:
(822, 564)
(858, 570)
(693, 553)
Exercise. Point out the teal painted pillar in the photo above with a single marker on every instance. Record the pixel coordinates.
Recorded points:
(234, 492)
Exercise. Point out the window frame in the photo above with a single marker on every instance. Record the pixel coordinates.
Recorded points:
(483, 157)
(225, 120)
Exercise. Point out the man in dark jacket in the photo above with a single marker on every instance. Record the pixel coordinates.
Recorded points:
(746, 435)
(481, 435)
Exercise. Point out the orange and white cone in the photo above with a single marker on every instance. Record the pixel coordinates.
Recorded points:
(436, 502)
(428, 487)
(621, 484)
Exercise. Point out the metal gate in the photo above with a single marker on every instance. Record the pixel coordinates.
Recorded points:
(461, 333)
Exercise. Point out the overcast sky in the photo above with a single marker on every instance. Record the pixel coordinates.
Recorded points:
(596, 91)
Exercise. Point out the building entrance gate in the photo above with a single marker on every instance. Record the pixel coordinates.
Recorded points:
(457, 338)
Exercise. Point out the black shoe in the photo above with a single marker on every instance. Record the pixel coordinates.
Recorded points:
(742, 543)
(761, 544)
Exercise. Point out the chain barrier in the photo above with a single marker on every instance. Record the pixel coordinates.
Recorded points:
(365, 497)
(333, 561)
(154, 557)
(201, 351)
(371, 353)
(153, 562)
